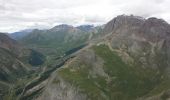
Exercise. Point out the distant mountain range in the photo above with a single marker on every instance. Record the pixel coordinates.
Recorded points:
(59, 39)
(86, 28)
(20, 34)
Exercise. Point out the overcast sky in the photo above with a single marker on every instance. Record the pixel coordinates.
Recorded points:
(22, 14)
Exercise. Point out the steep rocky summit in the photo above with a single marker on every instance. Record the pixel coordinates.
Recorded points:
(146, 40)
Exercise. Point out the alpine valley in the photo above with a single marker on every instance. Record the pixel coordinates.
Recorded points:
(127, 58)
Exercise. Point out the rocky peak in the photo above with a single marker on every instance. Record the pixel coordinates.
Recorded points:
(122, 21)
(153, 29)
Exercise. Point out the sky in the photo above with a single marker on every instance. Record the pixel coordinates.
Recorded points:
(17, 15)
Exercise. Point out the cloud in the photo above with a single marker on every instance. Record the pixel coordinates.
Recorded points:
(20, 14)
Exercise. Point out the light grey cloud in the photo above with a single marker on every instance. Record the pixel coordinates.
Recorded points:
(20, 14)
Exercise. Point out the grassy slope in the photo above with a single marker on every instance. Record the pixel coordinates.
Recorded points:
(126, 82)
(53, 43)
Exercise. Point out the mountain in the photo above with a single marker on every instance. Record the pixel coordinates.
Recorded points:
(11, 67)
(56, 40)
(20, 34)
(15, 63)
(9, 51)
(129, 62)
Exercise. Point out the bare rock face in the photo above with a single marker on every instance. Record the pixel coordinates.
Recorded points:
(89, 58)
(58, 89)
(152, 29)
(121, 22)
